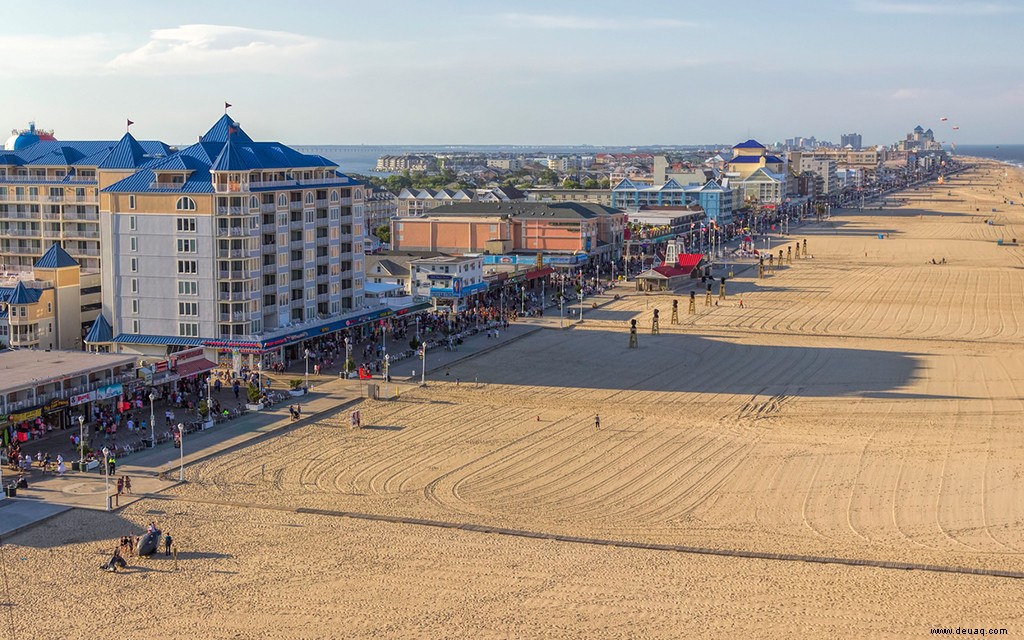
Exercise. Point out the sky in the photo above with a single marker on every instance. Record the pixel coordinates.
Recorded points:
(532, 72)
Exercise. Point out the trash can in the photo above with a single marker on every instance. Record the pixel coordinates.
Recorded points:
(11, 491)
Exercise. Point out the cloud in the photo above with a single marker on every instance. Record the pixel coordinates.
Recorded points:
(192, 49)
(552, 21)
(938, 9)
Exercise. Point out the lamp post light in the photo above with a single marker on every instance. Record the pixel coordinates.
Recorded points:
(581, 295)
(259, 374)
(106, 478)
(209, 398)
(306, 354)
(387, 373)
(181, 447)
(423, 373)
(348, 350)
(81, 442)
(522, 309)
(152, 420)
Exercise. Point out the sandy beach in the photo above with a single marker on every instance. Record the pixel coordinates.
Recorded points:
(864, 404)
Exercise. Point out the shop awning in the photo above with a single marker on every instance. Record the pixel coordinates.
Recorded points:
(193, 367)
(539, 273)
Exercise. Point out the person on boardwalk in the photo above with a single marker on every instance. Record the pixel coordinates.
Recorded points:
(120, 486)
(128, 485)
(597, 422)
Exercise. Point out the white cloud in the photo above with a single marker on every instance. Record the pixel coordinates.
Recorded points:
(211, 49)
(931, 8)
(552, 21)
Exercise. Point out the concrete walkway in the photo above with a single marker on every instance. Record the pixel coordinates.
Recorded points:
(18, 514)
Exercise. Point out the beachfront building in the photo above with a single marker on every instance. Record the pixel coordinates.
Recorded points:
(52, 307)
(851, 140)
(449, 281)
(821, 165)
(919, 140)
(49, 193)
(714, 199)
(232, 244)
(406, 162)
(564, 233)
(414, 202)
(588, 196)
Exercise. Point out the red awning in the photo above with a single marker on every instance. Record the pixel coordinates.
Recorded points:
(539, 273)
(193, 367)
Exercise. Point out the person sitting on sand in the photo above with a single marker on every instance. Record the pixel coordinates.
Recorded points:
(116, 560)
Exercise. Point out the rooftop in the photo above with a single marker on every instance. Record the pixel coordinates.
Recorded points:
(22, 368)
(563, 210)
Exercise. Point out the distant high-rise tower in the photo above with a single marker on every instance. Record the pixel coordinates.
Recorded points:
(851, 139)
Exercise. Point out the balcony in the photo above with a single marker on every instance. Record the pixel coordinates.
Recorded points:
(295, 205)
(322, 260)
(223, 232)
(345, 202)
(231, 211)
(234, 317)
(295, 224)
(345, 219)
(83, 252)
(22, 251)
(321, 204)
(80, 233)
(232, 253)
(329, 180)
(88, 215)
(24, 215)
(269, 269)
(238, 296)
(268, 208)
(77, 199)
(21, 233)
(235, 274)
(27, 339)
(273, 184)
(166, 186)
(42, 178)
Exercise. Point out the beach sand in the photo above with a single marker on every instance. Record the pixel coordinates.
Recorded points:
(864, 405)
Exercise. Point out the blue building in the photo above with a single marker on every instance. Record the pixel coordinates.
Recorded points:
(716, 200)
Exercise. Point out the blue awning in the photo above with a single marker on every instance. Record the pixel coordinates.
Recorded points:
(131, 338)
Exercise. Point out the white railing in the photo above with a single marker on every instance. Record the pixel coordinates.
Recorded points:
(166, 186)
(232, 231)
(273, 184)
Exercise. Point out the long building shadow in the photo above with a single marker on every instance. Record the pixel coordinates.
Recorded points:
(688, 363)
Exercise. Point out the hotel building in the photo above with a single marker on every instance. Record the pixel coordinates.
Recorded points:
(232, 244)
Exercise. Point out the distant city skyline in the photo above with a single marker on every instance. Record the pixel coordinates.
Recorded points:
(524, 73)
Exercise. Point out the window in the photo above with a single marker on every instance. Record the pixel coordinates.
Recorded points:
(186, 245)
(254, 202)
(282, 200)
(188, 308)
(335, 214)
(135, 305)
(134, 265)
(135, 285)
(133, 243)
(310, 275)
(188, 288)
(334, 195)
(188, 329)
(135, 326)
(131, 223)
(185, 203)
(309, 216)
(186, 225)
(309, 197)
(310, 254)
(131, 203)
(187, 266)
(49, 307)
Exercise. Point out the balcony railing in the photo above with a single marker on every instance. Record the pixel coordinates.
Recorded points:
(26, 215)
(239, 296)
(273, 184)
(295, 205)
(79, 199)
(22, 251)
(83, 252)
(295, 224)
(24, 339)
(232, 253)
(42, 178)
(235, 274)
(232, 231)
(21, 233)
(234, 317)
(166, 186)
(230, 211)
(270, 269)
(88, 215)
(79, 233)
(268, 208)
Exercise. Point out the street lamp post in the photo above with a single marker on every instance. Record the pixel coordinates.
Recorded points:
(81, 442)
(209, 398)
(152, 420)
(423, 373)
(259, 374)
(522, 309)
(106, 478)
(581, 295)
(181, 448)
(387, 373)
(306, 353)
(348, 353)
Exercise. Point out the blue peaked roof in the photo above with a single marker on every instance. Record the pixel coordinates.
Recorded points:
(126, 154)
(24, 295)
(55, 258)
(100, 331)
(750, 144)
(90, 153)
(225, 129)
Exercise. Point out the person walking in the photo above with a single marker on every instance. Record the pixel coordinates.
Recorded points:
(120, 486)
(111, 464)
(128, 485)
(60, 465)
(597, 422)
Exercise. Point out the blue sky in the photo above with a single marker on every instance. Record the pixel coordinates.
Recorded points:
(568, 72)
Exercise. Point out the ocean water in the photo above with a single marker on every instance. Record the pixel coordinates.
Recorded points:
(1008, 153)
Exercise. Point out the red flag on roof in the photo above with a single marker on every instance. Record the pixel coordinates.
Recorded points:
(232, 130)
